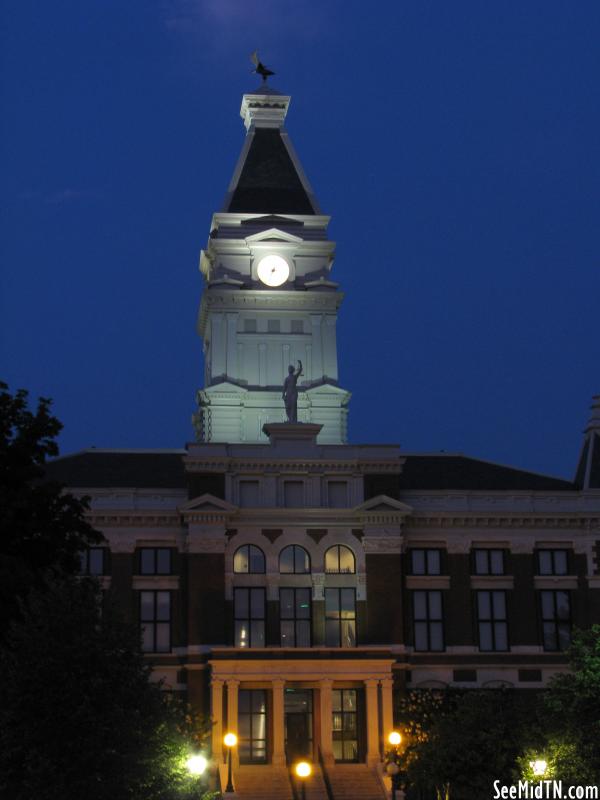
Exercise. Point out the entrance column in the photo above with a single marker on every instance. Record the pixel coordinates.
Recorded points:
(216, 710)
(232, 713)
(326, 709)
(371, 685)
(387, 708)
(278, 726)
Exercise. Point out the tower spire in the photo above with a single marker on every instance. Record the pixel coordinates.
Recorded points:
(588, 467)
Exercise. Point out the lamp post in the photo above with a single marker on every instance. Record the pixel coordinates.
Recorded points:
(303, 770)
(230, 740)
(393, 767)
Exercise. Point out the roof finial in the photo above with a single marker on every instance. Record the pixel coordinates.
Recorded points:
(259, 67)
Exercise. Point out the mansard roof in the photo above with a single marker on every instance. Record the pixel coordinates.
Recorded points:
(449, 471)
(165, 469)
(100, 469)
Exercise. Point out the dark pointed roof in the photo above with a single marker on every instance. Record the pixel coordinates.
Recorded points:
(269, 182)
(587, 475)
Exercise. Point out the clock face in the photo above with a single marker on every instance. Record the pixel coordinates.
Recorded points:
(273, 270)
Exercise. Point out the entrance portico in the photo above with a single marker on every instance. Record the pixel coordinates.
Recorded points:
(340, 707)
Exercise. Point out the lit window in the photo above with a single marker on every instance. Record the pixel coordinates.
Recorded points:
(488, 561)
(556, 619)
(252, 721)
(249, 613)
(340, 617)
(155, 561)
(491, 618)
(552, 562)
(294, 559)
(93, 561)
(425, 562)
(249, 558)
(428, 620)
(294, 614)
(155, 618)
(340, 559)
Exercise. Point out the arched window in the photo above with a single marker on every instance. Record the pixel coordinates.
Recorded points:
(249, 558)
(294, 559)
(340, 558)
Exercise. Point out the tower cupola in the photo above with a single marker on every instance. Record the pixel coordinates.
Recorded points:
(268, 300)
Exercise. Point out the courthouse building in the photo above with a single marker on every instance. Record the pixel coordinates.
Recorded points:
(292, 584)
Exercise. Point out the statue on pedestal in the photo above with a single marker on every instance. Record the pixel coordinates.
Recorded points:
(290, 392)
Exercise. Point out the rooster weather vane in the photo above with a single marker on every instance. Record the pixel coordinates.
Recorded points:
(259, 67)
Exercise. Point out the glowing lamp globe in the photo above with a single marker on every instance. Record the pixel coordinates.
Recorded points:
(196, 765)
(303, 769)
(394, 738)
(538, 767)
(230, 739)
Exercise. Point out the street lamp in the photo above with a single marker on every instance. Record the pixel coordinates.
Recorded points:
(196, 765)
(392, 767)
(538, 767)
(230, 740)
(303, 770)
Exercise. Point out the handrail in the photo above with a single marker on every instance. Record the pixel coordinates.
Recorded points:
(293, 782)
(326, 780)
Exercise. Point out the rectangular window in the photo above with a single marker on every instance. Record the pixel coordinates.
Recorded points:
(93, 561)
(249, 495)
(155, 618)
(249, 612)
(556, 619)
(293, 494)
(294, 615)
(491, 620)
(297, 326)
(426, 562)
(340, 617)
(273, 326)
(428, 620)
(337, 494)
(345, 724)
(552, 562)
(252, 726)
(249, 326)
(488, 562)
(155, 561)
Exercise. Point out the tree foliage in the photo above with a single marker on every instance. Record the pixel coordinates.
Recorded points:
(42, 527)
(571, 710)
(467, 739)
(79, 716)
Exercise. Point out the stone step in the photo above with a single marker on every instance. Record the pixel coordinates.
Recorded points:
(354, 781)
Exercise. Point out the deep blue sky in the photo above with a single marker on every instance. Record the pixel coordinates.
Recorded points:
(455, 144)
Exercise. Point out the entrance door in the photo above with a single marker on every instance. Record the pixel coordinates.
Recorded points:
(297, 737)
(298, 724)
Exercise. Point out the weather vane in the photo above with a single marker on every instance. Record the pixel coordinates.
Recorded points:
(259, 67)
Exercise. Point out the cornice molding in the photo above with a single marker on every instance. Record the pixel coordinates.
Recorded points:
(562, 521)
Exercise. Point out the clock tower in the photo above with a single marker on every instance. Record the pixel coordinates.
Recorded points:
(268, 300)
